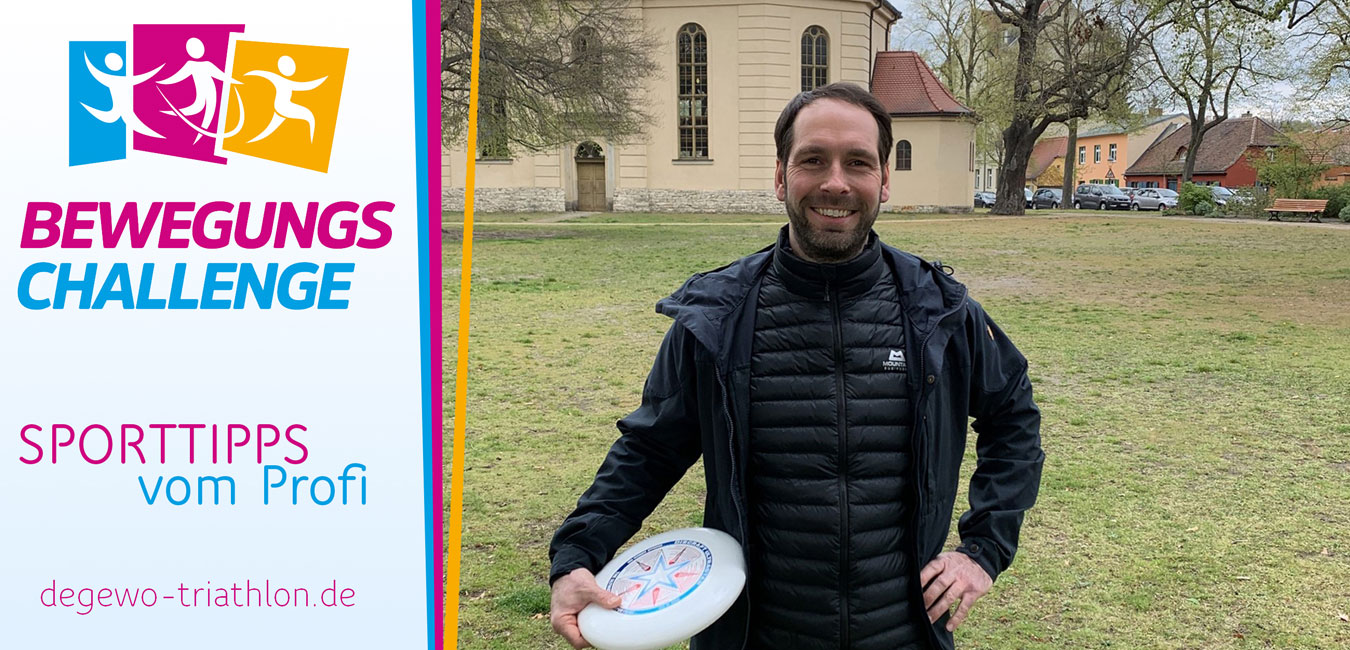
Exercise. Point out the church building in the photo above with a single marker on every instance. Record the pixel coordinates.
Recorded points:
(728, 70)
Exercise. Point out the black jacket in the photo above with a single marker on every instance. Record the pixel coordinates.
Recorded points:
(696, 398)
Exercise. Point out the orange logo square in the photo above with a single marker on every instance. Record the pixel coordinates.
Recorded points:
(288, 99)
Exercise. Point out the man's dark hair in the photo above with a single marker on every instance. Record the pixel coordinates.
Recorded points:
(845, 92)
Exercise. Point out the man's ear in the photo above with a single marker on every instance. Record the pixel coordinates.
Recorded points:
(885, 182)
(779, 182)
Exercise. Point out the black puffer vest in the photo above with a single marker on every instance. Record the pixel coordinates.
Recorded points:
(830, 439)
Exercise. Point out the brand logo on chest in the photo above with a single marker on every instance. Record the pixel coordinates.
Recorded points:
(895, 362)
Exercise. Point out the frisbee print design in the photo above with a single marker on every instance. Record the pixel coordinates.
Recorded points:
(671, 586)
(660, 576)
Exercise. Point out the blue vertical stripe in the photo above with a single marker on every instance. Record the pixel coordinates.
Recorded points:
(430, 464)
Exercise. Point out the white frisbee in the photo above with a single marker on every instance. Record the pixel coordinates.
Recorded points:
(673, 585)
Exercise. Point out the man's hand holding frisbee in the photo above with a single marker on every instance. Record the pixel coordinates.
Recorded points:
(571, 594)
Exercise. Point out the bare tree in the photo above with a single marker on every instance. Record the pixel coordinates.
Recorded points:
(965, 42)
(1298, 10)
(1211, 55)
(961, 38)
(551, 72)
(1329, 68)
(1086, 69)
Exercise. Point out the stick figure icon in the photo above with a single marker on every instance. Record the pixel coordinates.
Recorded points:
(119, 88)
(284, 108)
(204, 75)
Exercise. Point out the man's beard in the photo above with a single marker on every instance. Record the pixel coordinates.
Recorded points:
(827, 245)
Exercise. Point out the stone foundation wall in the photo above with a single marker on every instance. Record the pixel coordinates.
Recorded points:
(548, 199)
(507, 199)
(687, 201)
(927, 209)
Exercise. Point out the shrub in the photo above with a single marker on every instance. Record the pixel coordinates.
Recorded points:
(1345, 214)
(1251, 201)
(1337, 196)
(1206, 209)
(1190, 194)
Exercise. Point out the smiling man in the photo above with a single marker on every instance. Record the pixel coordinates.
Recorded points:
(827, 382)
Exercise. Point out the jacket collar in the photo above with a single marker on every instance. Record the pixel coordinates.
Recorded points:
(708, 302)
(852, 278)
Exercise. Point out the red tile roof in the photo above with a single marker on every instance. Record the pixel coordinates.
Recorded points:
(1220, 149)
(1044, 153)
(906, 86)
(1330, 147)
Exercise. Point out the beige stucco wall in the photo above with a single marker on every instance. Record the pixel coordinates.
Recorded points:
(940, 173)
(754, 68)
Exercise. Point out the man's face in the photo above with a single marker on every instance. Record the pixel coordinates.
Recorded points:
(833, 183)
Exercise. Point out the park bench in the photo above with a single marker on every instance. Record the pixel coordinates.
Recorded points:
(1311, 207)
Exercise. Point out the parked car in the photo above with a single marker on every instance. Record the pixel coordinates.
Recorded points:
(1026, 193)
(1092, 196)
(1152, 198)
(1047, 197)
(1224, 196)
(984, 199)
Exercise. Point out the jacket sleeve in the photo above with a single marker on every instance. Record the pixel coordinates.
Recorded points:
(658, 442)
(1007, 423)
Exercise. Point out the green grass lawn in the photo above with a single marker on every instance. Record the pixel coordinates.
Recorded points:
(1194, 379)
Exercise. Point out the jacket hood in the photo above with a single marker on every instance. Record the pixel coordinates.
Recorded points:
(707, 300)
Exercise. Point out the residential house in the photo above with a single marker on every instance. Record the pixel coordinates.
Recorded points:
(1222, 158)
(1045, 168)
(1104, 151)
(1327, 147)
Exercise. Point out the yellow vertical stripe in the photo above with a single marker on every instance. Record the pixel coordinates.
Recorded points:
(455, 524)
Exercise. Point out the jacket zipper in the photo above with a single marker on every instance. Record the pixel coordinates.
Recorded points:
(735, 500)
(923, 396)
(843, 465)
(920, 463)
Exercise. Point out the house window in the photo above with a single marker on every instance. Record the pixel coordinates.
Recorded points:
(972, 156)
(691, 46)
(977, 180)
(1111, 153)
(1082, 155)
(1181, 154)
(1096, 153)
(988, 177)
(902, 155)
(815, 58)
(584, 42)
(492, 141)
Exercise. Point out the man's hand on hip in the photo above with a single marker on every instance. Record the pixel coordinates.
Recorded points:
(950, 577)
(571, 594)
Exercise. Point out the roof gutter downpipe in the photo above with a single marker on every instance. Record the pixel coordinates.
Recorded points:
(871, 53)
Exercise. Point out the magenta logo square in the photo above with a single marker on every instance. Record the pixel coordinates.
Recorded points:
(181, 102)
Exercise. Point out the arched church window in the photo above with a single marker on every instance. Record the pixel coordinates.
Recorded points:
(584, 43)
(903, 154)
(815, 58)
(590, 151)
(691, 47)
(493, 143)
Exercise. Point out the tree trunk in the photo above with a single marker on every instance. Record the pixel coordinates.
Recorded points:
(1020, 136)
(1070, 163)
(1198, 130)
(1018, 141)
(1197, 133)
